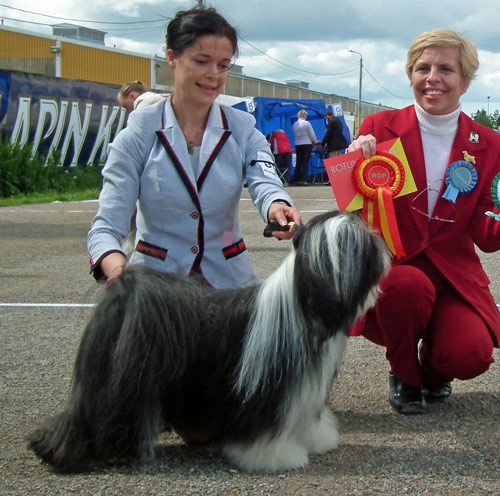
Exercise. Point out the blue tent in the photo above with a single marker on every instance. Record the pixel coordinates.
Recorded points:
(281, 113)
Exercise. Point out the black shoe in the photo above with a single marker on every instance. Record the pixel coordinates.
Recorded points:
(405, 399)
(437, 395)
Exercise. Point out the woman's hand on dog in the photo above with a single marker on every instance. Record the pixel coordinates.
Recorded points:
(113, 265)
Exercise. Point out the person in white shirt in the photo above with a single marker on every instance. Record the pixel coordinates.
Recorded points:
(134, 95)
(305, 138)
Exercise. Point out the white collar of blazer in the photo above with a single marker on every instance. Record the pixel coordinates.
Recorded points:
(174, 142)
(215, 131)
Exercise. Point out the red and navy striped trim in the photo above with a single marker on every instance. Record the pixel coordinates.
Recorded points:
(211, 159)
(234, 249)
(151, 250)
(193, 192)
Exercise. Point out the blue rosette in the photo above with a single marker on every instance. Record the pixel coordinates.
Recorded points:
(461, 178)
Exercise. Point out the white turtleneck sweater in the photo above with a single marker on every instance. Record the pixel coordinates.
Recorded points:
(438, 133)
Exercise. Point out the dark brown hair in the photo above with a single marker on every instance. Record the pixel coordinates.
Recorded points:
(188, 25)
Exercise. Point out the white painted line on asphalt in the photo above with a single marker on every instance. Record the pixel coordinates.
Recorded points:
(302, 211)
(33, 211)
(300, 199)
(48, 305)
(90, 212)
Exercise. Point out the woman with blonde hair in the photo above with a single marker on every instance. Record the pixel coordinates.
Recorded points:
(436, 316)
(134, 95)
(304, 138)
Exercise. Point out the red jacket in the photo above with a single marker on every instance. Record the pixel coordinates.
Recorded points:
(449, 245)
(279, 142)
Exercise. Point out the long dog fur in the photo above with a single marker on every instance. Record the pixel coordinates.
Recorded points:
(249, 369)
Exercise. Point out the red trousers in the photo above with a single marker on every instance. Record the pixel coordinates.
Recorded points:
(417, 303)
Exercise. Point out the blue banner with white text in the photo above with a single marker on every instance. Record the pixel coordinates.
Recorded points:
(76, 119)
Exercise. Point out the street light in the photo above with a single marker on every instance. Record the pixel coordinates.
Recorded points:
(360, 85)
(488, 100)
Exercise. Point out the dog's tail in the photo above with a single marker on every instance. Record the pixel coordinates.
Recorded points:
(130, 350)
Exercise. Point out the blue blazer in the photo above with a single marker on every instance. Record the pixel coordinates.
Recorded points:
(186, 222)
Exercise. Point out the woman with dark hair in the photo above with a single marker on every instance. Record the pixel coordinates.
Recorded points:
(436, 316)
(184, 163)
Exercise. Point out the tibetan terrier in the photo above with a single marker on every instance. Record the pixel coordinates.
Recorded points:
(247, 369)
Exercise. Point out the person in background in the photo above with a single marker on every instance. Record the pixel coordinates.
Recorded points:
(305, 139)
(334, 140)
(134, 95)
(436, 316)
(184, 161)
(282, 151)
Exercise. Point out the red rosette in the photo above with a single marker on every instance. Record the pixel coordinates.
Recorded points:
(382, 170)
(379, 179)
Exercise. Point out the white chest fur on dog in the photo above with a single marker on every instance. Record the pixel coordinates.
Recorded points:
(248, 369)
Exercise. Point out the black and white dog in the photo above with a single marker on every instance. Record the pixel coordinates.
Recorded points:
(249, 369)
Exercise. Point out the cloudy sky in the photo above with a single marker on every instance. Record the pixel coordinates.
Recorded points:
(307, 40)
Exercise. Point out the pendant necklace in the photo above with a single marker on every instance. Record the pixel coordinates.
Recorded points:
(190, 143)
(190, 147)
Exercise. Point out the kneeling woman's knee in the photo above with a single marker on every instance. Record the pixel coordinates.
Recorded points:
(465, 360)
(409, 288)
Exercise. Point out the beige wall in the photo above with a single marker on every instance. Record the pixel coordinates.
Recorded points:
(27, 52)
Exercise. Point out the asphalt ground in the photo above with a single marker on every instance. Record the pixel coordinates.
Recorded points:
(45, 297)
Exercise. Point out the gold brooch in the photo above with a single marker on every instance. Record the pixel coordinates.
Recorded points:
(469, 158)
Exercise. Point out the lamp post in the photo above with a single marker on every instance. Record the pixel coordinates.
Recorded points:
(488, 105)
(360, 86)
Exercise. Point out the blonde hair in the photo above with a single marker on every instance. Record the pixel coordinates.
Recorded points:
(445, 38)
(127, 88)
(302, 114)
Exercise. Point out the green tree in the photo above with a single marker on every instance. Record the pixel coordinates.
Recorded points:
(489, 120)
(496, 119)
(483, 118)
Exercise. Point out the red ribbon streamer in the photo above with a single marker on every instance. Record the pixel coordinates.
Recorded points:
(378, 208)
(388, 222)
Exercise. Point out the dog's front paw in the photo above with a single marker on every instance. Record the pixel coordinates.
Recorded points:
(323, 435)
(267, 455)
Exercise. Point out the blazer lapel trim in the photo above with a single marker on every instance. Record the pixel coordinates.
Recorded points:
(179, 168)
(215, 151)
(192, 193)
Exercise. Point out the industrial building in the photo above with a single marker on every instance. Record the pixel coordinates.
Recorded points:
(76, 52)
